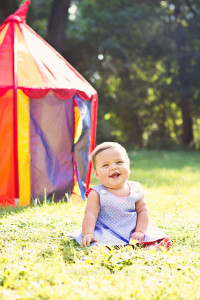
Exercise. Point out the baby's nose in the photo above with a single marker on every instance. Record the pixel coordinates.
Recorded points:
(113, 166)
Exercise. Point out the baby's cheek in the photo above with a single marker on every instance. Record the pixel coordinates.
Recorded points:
(104, 173)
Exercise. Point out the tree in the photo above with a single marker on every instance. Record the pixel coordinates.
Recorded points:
(149, 71)
(7, 7)
(183, 54)
(57, 24)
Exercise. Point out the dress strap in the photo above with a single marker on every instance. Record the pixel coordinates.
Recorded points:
(98, 188)
(88, 192)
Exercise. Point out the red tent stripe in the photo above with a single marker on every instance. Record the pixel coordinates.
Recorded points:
(92, 135)
(6, 60)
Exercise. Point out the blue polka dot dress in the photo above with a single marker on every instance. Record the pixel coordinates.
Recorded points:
(117, 218)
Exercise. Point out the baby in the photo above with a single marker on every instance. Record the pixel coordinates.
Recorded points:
(116, 210)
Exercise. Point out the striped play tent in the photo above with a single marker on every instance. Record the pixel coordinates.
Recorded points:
(47, 118)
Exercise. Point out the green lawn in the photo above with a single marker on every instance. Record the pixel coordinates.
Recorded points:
(39, 261)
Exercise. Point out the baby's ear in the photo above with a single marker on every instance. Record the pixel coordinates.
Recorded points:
(95, 173)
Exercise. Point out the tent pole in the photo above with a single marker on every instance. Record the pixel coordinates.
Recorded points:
(15, 138)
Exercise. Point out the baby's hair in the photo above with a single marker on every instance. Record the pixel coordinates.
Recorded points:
(104, 146)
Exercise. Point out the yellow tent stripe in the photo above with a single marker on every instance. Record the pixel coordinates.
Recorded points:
(3, 33)
(23, 130)
(78, 124)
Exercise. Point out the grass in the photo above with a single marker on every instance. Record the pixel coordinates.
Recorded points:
(39, 261)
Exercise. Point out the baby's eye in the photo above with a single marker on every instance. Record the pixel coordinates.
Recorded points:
(119, 162)
(105, 165)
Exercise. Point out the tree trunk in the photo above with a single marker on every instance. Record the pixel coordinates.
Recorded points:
(136, 137)
(184, 89)
(187, 122)
(57, 24)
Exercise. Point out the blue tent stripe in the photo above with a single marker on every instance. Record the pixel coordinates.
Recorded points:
(81, 187)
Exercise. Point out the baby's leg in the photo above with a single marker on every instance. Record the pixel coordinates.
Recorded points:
(165, 243)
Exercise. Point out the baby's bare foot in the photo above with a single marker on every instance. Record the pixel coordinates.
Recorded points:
(166, 243)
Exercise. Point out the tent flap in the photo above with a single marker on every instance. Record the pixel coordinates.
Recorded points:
(51, 140)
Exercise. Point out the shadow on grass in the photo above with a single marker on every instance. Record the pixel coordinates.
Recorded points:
(71, 250)
(9, 210)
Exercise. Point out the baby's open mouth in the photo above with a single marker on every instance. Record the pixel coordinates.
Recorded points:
(115, 175)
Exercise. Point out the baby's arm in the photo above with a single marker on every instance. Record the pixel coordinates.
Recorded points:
(89, 221)
(142, 220)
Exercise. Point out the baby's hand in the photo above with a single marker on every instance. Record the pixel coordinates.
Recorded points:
(137, 235)
(87, 239)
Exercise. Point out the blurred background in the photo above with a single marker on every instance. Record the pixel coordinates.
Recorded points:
(142, 57)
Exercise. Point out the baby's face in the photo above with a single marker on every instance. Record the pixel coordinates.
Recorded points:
(112, 168)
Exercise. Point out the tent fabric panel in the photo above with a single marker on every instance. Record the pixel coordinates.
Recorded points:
(28, 73)
(2, 26)
(78, 127)
(57, 73)
(7, 176)
(3, 31)
(51, 146)
(23, 148)
(3, 91)
(44, 58)
(82, 147)
(6, 59)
